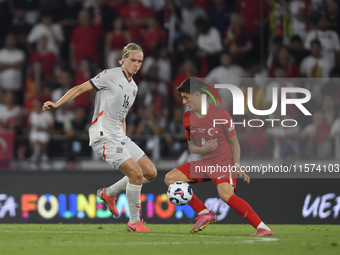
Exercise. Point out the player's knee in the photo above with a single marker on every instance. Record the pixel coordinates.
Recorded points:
(136, 176)
(151, 173)
(225, 196)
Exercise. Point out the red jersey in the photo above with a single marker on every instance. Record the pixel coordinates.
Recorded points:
(203, 130)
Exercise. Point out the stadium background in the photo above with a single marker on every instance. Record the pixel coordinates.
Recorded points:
(47, 47)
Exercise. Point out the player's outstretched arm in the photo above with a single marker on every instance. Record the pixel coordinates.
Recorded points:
(71, 94)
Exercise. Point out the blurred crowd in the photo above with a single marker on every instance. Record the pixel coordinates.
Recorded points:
(47, 47)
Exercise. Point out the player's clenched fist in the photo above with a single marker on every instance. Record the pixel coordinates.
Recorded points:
(210, 145)
(49, 105)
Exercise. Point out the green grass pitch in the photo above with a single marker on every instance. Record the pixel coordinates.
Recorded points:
(63, 239)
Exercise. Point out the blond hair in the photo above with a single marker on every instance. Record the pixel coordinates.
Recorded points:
(127, 49)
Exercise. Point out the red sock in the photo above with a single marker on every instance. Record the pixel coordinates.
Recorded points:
(196, 204)
(245, 210)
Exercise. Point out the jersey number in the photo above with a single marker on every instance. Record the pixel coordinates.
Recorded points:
(202, 141)
(126, 102)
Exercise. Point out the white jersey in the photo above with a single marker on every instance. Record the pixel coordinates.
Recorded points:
(115, 96)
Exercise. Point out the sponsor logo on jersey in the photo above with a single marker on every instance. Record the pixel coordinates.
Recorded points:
(201, 130)
(121, 86)
(97, 77)
(134, 93)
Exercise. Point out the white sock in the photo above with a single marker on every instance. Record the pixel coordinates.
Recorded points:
(204, 211)
(133, 198)
(262, 225)
(118, 187)
(145, 181)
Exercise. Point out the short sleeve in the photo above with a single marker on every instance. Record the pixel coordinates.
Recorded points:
(101, 81)
(229, 129)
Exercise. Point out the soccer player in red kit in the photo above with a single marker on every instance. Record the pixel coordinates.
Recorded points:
(218, 146)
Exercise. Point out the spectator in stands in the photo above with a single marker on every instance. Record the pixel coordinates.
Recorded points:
(161, 60)
(175, 134)
(303, 13)
(315, 65)
(332, 87)
(328, 109)
(238, 39)
(333, 15)
(285, 138)
(280, 20)
(74, 129)
(115, 41)
(219, 14)
(152, 35)
(102, 15)
(135, 14)
(85, 40)
(152, 74)
(154, 96)
(329, 40)
(187, 70)
(273, 57)
(227, 72)
(20, 28)
(64, 113)
(47, 58)
(84, 72)
(10, 113)
(31, 9)
(209, 43)
(190, 12)
(152, 5)
(286, 62)
(35, 73)
(41, 124)
(35, 88)
(150, 124)
(255, 19)
(11, 60)
(317, 133)
(335, 130)
(53, 31)
(170, 19)
(68, 20)
(297, 50)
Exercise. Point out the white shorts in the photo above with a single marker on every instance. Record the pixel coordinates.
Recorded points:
(116, 153)
(39, 136)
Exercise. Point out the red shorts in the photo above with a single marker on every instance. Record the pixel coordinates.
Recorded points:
(190, 171)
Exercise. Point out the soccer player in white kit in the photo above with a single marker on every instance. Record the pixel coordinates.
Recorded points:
(116, 92)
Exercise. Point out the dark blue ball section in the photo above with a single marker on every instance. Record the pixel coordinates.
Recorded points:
(174, 201)
(190, 190)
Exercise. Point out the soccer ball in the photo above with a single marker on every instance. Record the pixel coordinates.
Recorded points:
(179, 193)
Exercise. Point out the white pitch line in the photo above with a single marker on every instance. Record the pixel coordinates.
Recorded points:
(67, 243)
(149, 234)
